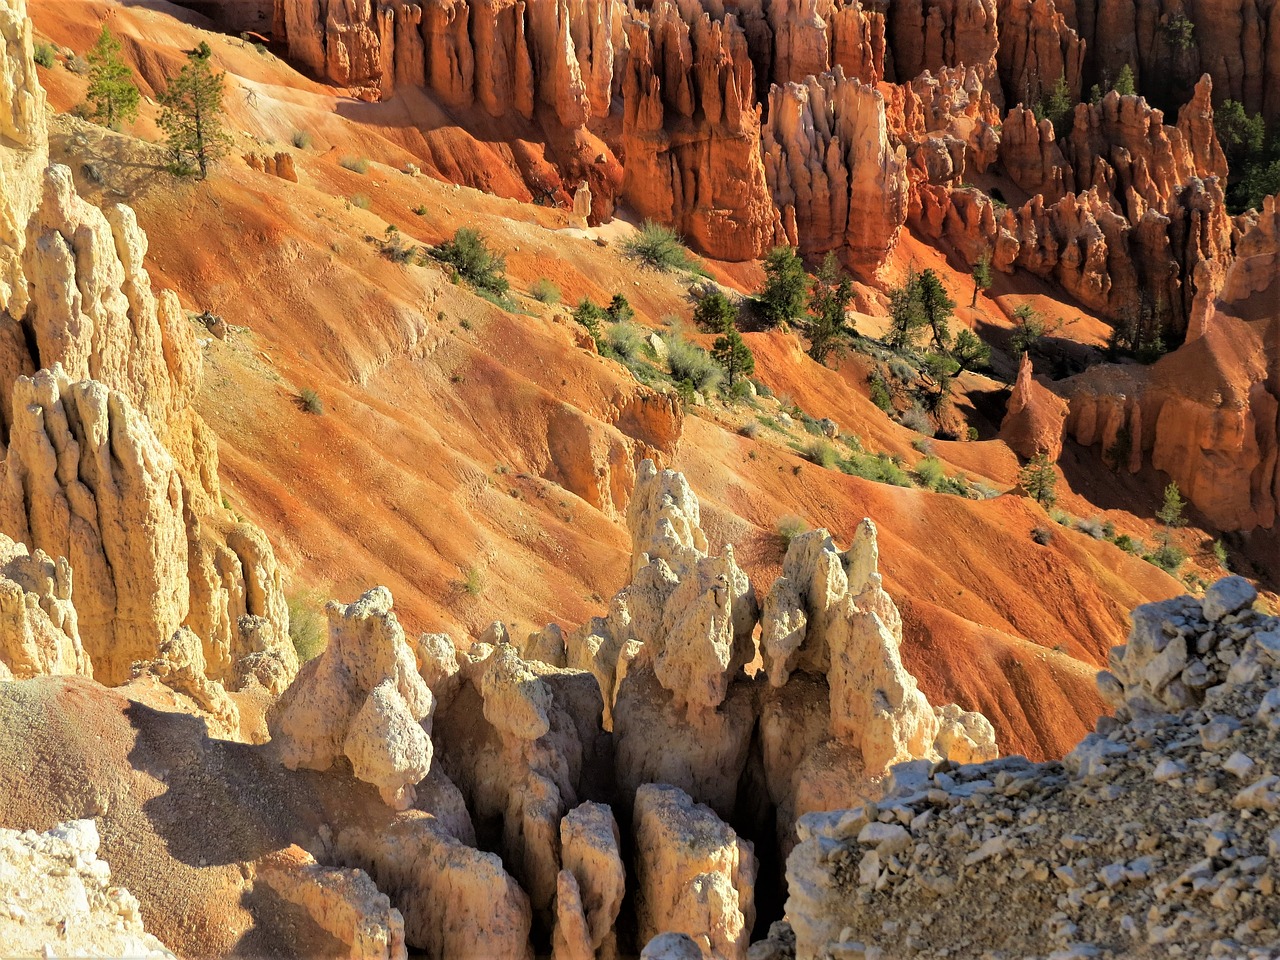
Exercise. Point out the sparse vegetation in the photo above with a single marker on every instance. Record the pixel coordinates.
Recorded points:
(922, 301)
(624, 340)
(659, 247)
(44, 55)
(880, 391)
(544, 291)
(981, 275)
(790, 527)
(786, 287)
(1042, 535)
(1093, 527)
(915, 418)
(361, 201)
(1058, 107)
(822, 453)
(191, 114)
(473, 581)
(310, 401)
(302, 139)
(358, 165)
(112, 97)
(970, 352)
(1220, 554)
(469, 255)
(690, 364)
(1172, 514)
(307, 628)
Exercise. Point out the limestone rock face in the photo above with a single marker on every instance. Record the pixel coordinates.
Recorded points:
(1205, 413)
(694, 875)
(361, 698)
(1196, 706)
(87, 479)
(1037, 46)
(525, 744)
(931, 34)
(590, 886)
(344, 902)
(691, 131)
(39, 633)
(456, 901)
(1034, 419)
(24, 149)
(181, 667)
(832, 169)
(60, 901)
(1032, 156)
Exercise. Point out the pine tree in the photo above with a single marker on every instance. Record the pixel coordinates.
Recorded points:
(732, 353)
(906, 313)
(937, 305)
(1171, 513)
(1058, 106)
(785, 292)
(1125, 85)
(192, 114)
(714, 312)
(1039, 480)
(112, 97)
(970, 352)
(828, 306)
(981, 276)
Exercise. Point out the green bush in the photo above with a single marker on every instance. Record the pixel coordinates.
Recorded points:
(302, 139)
(715, 312)
(473, 581)
(470, 256)
(592, 316)
(660, 247)
(1220, 554)
(310, 401)
(358, 165)
(362, 201)
(44, 55)
(822, 453)
(878, 467)
(619, 309)
(930, 472)
(918, 420)
(880, 391)
(544, 291)
(790, 527)
(1168, 557)
(689, 362)
(625, 340)
(307, 628)
(786, 287)
(1130, 545)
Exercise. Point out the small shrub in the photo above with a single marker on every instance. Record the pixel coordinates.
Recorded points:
(302, 139)
(880, 391)
(790, 527)
(1093, 527)
(544, 291)
(358, 165)
(822, 453)
(688, 361)
(902, 370)
(1130, 545)
(310, 401)
(44, 55)
(916, 419)
(762, 388)
(1220, 554)
(362, 201)
(1060, 517)
(394, 247)
(619, 309)
(307, 627)
(470, 256)
(930, 472)
(1168, 557)
(749, 430)
(879, 468)
(923, 445)
(659, 247)
(420, 209)
(473, 581)
(1042, 536)
(625, 340)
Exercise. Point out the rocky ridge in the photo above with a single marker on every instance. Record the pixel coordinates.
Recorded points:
(1157, 836)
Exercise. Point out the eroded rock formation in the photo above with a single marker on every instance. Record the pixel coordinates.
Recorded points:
(39, 633)
(832, 170)
(691, 131)
(363, 699)
(1033, 421)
